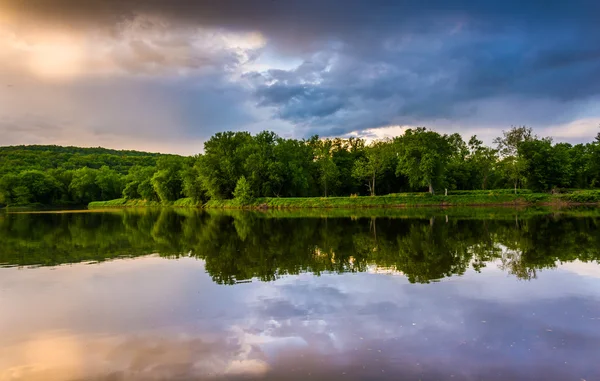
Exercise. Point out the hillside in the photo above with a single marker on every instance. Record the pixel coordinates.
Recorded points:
(44, 157)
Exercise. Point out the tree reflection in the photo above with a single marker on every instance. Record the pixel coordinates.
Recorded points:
(239, 246)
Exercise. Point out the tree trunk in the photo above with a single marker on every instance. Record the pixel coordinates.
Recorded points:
(516, 186)
(373, 187)
(431, 188)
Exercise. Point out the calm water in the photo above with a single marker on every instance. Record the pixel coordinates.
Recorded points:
(367, 295)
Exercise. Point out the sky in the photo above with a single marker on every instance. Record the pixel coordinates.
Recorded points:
(164, 76)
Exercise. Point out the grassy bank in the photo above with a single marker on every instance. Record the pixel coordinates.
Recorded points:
(125, 203)
(459, 198)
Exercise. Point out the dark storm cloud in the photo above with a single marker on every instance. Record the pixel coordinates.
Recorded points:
(370, 63)
(444, 71)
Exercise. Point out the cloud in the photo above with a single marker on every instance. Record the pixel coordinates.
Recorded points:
(310, 67)
(123, 112)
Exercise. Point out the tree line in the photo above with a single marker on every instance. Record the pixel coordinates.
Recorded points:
(244, 166)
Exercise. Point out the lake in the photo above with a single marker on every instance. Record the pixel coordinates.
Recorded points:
(414, 294)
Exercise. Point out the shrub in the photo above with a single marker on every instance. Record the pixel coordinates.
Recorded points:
(242, 193)
(488, 192)
(583, 196)
(536, 197)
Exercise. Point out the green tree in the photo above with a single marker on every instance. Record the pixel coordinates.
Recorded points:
(546, 166)
(345, 153)
(138, 184)
(327, 171)
(223, 162)
(458, 170)
(265, 174)
(594, 162)
(375, 162)
(167, 182)
(8, 183)
(295, 160)
(482, 160)
(423, 156)
(42, 188)
(110, 183)
(192, 183)
(83, 187)
(22, 195)
(243, 194)
(508, 147)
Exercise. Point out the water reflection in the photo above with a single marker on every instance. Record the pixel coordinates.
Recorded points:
(241, 246)
(150, 319)
(373, 313)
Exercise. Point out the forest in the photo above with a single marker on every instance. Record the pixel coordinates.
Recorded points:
(241, 166)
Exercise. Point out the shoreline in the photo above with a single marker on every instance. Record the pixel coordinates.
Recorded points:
(591, 198)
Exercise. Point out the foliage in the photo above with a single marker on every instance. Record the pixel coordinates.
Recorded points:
(223, 162)
(473, 198)
(167, 181)
(192, 185)
(276, 167)
(482, 161)
(375, 162)
(139, 184)
(423, 156)
(582, 196)
(513, 164)
(83, 187)
(54, 175)
(547, 166)
(242, 194)
(328, 172)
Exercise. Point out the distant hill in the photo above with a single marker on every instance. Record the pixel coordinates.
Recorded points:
(45, 157)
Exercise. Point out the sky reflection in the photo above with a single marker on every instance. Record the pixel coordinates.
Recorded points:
(152, 319)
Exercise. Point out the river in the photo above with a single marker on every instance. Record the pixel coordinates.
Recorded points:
(413, 294)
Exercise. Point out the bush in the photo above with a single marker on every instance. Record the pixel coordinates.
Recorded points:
(536, 197)
(242, 193)
(583, 196)
(488, 192)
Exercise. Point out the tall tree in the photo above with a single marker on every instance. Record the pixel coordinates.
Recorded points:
(328, 172)
(483, 160)
(138, 184)
(167, 181)
(110, 182)
(83, 187)
(264, 173)
(423, 156)
(375, 162)
(295, 159)
(223, 162)
(192, 183)
(345, 153)
(546, 166)
(458, 172)
(508, 147)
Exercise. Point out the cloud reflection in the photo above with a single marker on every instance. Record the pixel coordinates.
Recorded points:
(168, 320)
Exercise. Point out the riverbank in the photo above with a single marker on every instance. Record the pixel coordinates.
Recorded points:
(462, 198)
(125, 203)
